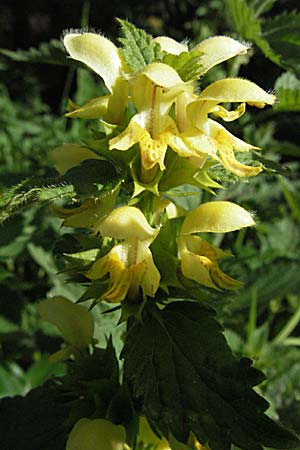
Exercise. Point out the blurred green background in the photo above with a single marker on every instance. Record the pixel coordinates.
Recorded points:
(262, 320)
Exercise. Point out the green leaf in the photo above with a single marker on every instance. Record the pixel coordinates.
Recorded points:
(287, 89)
(34, 422)
(31, 191)
(268, 285)
(184, 375)
(278, 38)
(282, 33)
(138, 47)
(187, 64)
(90, 178)
(243, 19)
(52, 52)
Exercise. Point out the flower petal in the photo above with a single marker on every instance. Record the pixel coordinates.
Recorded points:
(70, 155)
(93, 109)
(95, 434)
(218, 49)
(169, 45)
(126, 222)
(74, 321)
(229, 116)
(98, 53)
(236, 90)
(217, 217)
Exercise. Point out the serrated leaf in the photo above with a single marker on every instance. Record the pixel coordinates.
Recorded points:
(287, 88)
(34, 422)
(282, 33)
(138, 49)
(184, 375)
(52, 52)
(243, 19)
(278, 38)
(187, 64)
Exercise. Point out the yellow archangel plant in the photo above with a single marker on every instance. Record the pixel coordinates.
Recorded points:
(169, 112)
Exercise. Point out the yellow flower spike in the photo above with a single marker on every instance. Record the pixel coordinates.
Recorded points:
(218, 49)
(93, 109)
(96, 434)
(74, 321)
(103, 57)
(169, 45)
(126, 222)
(217, 217)
(70, 155)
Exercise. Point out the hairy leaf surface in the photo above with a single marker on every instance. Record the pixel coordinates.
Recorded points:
(184, 375)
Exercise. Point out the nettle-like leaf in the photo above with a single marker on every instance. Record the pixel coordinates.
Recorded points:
(90, 178)
(243, 19)
(287, 88)
(278, 38)
(52, 52)
(182, 372)
(187, 64)
(282, 33)
(138, 49)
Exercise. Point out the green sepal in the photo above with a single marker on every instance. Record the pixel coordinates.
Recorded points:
(180, 171)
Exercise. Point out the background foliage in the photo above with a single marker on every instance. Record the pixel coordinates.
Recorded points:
(261, 320)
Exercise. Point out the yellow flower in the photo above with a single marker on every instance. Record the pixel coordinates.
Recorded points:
(97, 434)
(104, 58)
(129, 263)
(153, 90)
(199, 259)
(74, 321)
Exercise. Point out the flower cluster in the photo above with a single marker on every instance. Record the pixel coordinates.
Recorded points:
(166, 113)
(169, 113)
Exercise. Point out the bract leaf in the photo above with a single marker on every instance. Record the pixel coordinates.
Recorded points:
(182, 371)
(139, 49)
